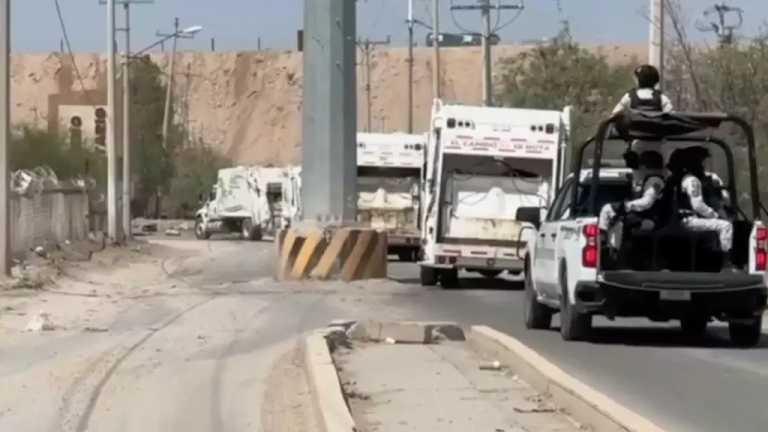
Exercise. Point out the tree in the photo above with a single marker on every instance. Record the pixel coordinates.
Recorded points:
(562, 73)
(196, 171)
(152, 163)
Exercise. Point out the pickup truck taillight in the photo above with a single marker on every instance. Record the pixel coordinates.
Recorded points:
(590, 252)
(761, 251)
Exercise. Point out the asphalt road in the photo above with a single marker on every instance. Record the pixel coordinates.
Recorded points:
(195, 355)
(682, 385)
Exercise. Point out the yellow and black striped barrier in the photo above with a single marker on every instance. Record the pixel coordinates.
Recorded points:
(331, 253)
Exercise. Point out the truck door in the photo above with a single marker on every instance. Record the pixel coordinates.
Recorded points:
(545, 268)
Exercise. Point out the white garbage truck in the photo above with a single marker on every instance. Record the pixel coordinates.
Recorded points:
(253, 201)
(389, 173)
(237, 203)
(282, 190)
(487, 169)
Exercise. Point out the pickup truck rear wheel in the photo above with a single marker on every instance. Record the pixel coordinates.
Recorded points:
(574, 325)
(428, 276)
(537, 315)
(449, 278)
(746, 335)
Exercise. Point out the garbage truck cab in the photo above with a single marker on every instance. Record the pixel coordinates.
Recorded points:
(389, 173)
(489, 171)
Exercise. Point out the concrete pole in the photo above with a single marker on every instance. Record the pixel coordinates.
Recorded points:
(111, 127)
(169, 89)
(487, 59)
(410, 66)
(656, 40)
(329, 168)
(436, 49)
(127, 126)
(5, 136)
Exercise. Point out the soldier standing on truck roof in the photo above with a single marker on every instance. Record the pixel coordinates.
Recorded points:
(646, 96)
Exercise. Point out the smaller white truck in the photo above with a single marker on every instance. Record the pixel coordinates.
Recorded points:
(389, 173)
(486, 169)
(237, 203)
(283, 192)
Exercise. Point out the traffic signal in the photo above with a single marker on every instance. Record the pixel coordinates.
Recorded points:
(100, 127)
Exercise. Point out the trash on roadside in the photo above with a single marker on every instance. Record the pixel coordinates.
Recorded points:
(95, 330)
(390, 341)
(534, 410)
(494, 365)
(40, 322)
(172, 232)
(40, 251)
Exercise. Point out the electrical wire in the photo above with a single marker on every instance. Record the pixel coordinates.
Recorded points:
(513, 19)
(71, 55)
(456, 21)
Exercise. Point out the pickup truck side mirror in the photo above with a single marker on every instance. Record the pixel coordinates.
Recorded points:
(532, 215)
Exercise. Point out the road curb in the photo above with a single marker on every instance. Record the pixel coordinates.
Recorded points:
(586, 404)
(326, 388)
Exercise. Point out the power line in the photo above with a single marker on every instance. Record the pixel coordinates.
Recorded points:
(71, 55)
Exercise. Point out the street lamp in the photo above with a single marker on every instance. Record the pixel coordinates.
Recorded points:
(186, 33)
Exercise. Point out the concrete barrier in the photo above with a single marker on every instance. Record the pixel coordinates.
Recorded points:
(48, 217)
(598, 411)
(332, 253)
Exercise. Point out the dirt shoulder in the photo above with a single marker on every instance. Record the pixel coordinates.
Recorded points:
(86, 294)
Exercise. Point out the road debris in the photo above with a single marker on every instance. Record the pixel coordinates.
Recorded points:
(534, 410)
(492, 366)
(172, 232)
(40, 322)
(390, 341)
(95, 330)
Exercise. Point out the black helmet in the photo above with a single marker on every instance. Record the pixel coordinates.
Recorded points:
(647, 76)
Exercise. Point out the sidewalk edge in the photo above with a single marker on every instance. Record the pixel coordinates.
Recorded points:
(583, 402)
(326, 388)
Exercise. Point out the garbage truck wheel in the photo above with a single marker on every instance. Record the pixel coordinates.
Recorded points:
(200, 232)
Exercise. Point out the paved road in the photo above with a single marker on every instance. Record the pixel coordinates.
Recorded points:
(195, 355)
(683, 385)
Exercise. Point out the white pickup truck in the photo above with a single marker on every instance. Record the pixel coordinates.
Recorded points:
(667, 272)
(485, 168)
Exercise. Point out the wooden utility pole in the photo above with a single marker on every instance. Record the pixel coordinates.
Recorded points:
(367, 46)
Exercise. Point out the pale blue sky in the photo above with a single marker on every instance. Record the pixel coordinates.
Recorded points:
(236, 24)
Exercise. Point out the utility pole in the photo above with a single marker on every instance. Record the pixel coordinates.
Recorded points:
(169, 87)
(485, 7)
(329, 168)
(127, 126)
(5, 127)
(656, 41)
(722, 26)
(111, 137)
(367, 46)
(410, 66)
(126, 209)
(436, 49)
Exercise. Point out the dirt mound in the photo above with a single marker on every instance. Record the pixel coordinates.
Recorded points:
(248, 104)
